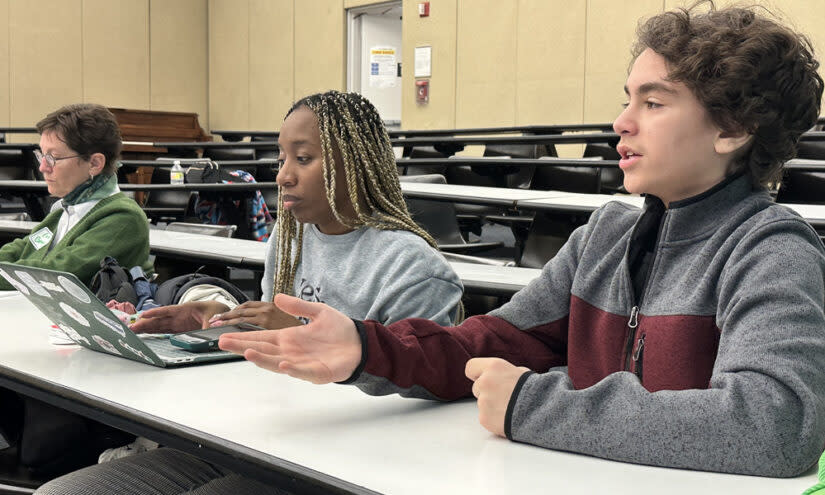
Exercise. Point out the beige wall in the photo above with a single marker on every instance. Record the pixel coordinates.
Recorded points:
(143, 54)
(524, 62)
(240, 63)
(259, 63)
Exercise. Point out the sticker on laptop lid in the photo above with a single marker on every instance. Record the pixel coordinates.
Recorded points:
(15, 283)
(73, 289)
(74, 314)
(110, 323)
(32, 284)
(51, 286)
(134, 351)
(41, 238)
(106, 345)
(72, 334)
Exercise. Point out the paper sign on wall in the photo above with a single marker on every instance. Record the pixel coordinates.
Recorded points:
(383, 67)
(423, 57)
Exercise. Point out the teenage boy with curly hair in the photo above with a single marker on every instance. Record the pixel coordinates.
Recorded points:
(689, 334)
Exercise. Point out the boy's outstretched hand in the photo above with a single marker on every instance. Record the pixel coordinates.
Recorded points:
(327, 349)
(494, 380)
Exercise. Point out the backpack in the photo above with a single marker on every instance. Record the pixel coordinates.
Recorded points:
(113, 281)
(170, 291)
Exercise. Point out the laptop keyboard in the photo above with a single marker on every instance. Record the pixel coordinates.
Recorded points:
(171, 353)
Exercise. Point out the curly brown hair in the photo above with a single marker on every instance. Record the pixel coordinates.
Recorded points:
(749, 72)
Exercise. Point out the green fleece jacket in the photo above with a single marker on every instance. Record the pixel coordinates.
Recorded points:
(116, 227)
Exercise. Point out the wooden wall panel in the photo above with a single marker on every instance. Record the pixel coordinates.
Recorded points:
(320, 46)
(550, 61)
(179, 57)
(485, 63)
(229, 64)
(4, 63)
(611, 29)
(45, 58)
(271, 62)
(116, 53)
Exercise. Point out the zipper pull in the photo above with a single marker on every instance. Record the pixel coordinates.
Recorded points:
(639, 347)
(634, 317)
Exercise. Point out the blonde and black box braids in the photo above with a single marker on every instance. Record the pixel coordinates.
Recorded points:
(352, 130)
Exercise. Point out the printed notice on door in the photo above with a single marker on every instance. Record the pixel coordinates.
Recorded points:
(383, 67)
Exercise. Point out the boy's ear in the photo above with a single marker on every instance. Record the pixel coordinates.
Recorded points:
(727, 143)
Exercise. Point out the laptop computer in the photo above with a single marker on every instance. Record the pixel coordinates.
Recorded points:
(86, 320)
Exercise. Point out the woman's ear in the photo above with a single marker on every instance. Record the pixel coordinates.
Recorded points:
(728, 143)
(97, 161)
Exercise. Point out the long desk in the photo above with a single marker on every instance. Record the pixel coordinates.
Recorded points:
(241, 253)
(32, 190)
(477, 278)
(234, 136)
(321, 439)
(578, 202)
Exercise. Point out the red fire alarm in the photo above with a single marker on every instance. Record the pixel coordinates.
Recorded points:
(423, 9)
(422, 91)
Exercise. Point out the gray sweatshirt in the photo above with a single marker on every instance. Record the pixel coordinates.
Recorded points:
(371, 274)
(719, 366)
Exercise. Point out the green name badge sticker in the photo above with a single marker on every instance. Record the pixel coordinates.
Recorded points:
(41, 238)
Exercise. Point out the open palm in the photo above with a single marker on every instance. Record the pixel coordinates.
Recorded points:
(328, 349)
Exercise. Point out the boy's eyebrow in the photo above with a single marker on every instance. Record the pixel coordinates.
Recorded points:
(650, 87)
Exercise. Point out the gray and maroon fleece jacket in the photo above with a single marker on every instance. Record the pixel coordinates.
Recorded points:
(718, 365)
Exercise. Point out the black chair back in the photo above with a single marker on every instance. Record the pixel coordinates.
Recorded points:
(218, 154)
(546, 236)
(166, 205)
(515, 177)
(800, 186)
(612, 178)
(570, 179)
(439, 219)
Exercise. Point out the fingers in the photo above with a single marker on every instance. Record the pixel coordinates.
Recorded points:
(238, 346)
(298, 307)
(264, 361)
(159, 311)
(476, 366)
(148, 325)
(311, 371)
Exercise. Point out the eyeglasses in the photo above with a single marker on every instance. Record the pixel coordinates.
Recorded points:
(51, 161)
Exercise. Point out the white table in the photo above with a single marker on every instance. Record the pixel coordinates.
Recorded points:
(329, 436)
(814, 214)
(495, 196)
(577, 201)
(251, 254)
(487, 279)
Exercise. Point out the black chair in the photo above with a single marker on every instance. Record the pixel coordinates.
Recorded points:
(547, 234)
(612, 179)
(19, 165)
(802, 187)
(438, 218)
(570, 179)
(516, 177)
(422, 152)
(217, 154)
(167, 206)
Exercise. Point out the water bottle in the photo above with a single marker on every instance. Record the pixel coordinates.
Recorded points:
(176, 174)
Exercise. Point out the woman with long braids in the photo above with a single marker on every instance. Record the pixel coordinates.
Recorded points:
(344, 236)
